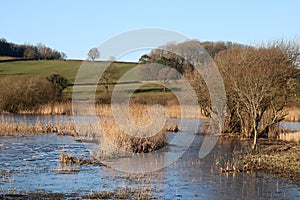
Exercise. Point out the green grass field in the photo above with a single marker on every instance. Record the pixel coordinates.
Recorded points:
(45, 68)
(69, 69)
(40, 68)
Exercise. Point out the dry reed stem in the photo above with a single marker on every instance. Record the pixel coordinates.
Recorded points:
(135, 142)
(293, 115)
(8, 126)
(62, 108)
(172, 111)
(293, 136)
(109, 133)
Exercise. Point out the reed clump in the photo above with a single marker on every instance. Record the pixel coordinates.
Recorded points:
(9, 126)
(147, 138)
(293, 114)
(134, 143)
(67, 159)
(291, 136)
(113, 136)
(66, 108)
(122, 193)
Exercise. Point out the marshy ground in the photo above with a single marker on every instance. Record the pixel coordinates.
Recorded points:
(282, 159)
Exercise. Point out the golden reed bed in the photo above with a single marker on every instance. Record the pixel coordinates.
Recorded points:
(293, 115)
(172, 111)
(65, 108)
(111, 137)
(291, 136)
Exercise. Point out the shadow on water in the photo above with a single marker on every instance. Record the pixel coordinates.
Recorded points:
(31, 164)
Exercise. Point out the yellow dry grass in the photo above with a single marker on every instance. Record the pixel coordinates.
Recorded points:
(293, 136)
(293, 115)
(134, 132)
(8, 126)
(111, 134)
(61, 108)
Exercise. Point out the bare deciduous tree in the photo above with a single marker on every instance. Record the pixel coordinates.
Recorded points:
(30, 53)
(94, 53)
(258, 87)
(109, 74)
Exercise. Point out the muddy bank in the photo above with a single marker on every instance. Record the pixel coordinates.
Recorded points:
(35, 196)
(123, 193)
(67, 159)
(282, 159)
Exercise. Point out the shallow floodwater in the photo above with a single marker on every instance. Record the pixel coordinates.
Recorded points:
(31, 164)
(291, 125)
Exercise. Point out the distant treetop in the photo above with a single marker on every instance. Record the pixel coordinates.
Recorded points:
(27, 51)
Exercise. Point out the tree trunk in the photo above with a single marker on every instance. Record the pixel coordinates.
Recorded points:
(59, 94)
(106, 86)
(253, 147)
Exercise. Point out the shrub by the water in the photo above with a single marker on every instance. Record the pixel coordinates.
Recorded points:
(24, 93)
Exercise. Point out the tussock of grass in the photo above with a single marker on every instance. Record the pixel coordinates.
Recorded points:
(123, 193)
(132, 143)
(66, 159)
(135, 142)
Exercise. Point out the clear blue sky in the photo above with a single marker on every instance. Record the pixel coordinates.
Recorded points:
(75, 26)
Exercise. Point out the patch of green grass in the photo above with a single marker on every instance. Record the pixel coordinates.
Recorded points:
(41, 68)
(45, 68)
(69, 68)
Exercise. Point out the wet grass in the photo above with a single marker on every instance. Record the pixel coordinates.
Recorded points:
(38, 196)
(282, 159)
(66, 159)
(123, 193)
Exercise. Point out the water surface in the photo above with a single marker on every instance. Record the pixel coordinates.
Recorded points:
(31, 164)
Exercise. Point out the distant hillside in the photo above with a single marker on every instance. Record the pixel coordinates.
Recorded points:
(44, 68)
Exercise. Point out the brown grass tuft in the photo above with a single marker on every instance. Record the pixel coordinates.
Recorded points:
(292, 136)
(135, 142)
(65, 108)
(8, 126)
(293, 115)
